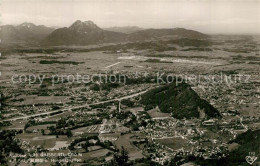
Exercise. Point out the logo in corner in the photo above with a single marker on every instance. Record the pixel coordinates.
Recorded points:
(251, 158)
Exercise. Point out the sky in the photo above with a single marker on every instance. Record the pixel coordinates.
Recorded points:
(208, 16)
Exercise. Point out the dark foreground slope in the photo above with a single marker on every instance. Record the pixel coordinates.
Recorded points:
(249, 147)
(249, 142)
(180, 100)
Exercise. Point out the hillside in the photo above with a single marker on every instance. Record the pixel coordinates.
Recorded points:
(175, 33)
(181, 101)
(248, 142)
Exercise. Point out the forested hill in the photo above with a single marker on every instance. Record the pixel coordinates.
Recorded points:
(180, 100)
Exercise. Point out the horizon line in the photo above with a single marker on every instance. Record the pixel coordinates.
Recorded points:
(58, 27)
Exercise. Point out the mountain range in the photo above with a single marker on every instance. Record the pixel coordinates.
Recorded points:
(24, 33)
(86, 33)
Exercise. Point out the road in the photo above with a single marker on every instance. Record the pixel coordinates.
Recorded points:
(8, 80)
(76, 107)
(113, 65)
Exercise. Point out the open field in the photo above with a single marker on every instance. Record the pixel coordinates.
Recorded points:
(155, 113)
(126, 142)
(174, 143)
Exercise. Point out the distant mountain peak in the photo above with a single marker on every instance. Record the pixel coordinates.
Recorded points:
(27, 25)
(89, 22)
(85, 27)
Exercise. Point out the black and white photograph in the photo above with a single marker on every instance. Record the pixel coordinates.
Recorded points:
(129, 82)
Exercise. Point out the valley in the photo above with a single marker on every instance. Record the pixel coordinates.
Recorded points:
(164, 96)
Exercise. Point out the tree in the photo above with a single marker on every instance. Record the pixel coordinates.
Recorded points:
(120, 159)
(52, 129)
(62, 123)
(3, 159)
(69, 133)
(42, 131)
